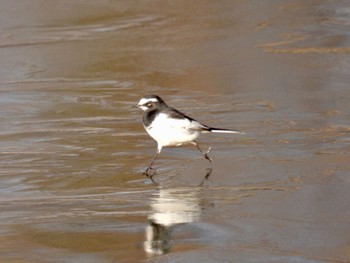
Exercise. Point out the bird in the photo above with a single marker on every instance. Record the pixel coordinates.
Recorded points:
(170, 127)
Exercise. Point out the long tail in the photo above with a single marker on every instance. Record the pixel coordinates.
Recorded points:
(217, 130)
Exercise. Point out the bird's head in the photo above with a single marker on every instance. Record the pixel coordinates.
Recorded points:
(150, 102)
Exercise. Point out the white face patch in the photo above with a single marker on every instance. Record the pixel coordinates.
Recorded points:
(143, 108)
(144, 100)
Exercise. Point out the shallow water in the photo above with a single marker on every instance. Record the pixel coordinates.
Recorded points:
(72, 147)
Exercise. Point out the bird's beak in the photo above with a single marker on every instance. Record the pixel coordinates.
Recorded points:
(140, 106)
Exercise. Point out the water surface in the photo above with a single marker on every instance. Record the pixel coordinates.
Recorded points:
(72, 147)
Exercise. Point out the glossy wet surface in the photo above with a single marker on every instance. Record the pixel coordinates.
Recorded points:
(72, 147)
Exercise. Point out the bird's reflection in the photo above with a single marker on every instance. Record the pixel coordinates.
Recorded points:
(170, 207)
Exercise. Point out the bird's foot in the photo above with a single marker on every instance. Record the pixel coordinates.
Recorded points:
(206, 156)
(149, 172)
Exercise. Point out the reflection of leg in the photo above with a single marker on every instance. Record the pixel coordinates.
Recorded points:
(205, 154)
(158, 239)
(208, 173)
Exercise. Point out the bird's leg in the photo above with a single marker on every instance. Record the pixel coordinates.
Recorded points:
(205, 154)
(150, 168)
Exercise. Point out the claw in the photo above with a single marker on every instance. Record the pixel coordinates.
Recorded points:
(149, 172)
(208, 158)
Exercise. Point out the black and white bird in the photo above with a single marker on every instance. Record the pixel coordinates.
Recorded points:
(170, 127)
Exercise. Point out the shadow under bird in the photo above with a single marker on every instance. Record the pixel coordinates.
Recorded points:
(170, 127)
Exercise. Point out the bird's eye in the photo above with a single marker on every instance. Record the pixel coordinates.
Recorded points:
(149, 104)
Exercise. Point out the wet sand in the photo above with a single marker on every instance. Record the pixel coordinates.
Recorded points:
(72, 147)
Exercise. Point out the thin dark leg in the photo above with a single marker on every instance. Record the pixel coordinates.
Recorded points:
(147, 171)
(205, 154)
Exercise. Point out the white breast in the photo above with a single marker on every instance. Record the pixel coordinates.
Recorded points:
(173, 132)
